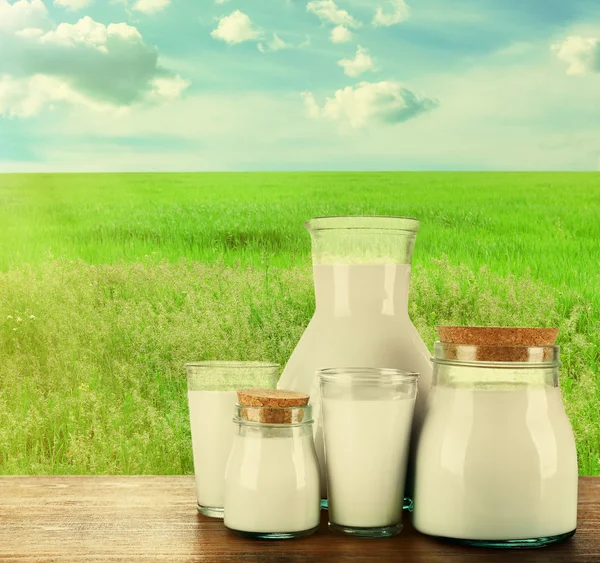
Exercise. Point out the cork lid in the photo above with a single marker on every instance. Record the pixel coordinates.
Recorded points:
(274, 406)
(497, 344)
(498, 335)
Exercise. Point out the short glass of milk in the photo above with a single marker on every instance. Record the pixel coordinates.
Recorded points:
(211, 398)
(367, 417)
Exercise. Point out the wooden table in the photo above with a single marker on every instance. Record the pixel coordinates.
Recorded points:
(148, 518)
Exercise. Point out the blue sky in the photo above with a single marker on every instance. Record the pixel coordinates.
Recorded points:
(119, 85)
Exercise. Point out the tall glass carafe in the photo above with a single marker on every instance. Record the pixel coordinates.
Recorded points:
(361, 269)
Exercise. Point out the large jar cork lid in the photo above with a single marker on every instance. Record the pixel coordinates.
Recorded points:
(498, 335)
(494, 343)
(275, 406)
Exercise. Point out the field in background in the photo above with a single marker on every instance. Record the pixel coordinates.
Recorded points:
(103, 298)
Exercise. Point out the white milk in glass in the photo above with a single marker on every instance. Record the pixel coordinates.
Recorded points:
(213, 430)
(361, 320)
(496, 464)
(366, 449)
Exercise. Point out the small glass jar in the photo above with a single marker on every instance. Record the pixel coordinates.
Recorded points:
(496, 461)
(272, 487)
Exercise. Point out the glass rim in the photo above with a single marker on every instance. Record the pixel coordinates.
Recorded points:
(466, 355)
(367, 375)
(230, 364)
(363, 222)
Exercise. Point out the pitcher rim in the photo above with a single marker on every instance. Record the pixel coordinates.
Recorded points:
(388, 222)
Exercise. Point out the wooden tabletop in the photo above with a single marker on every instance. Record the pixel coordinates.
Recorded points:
(150, 518)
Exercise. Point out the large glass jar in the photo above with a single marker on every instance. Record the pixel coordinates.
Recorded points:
(496, 461)
(272, 478)
(361, 270)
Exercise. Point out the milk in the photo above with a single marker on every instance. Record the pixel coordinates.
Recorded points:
(361, 320)
(366, 445)
(211, 419)
(496, 465)
(272, 484)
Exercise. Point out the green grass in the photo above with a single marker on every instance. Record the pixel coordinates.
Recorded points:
(129, 276)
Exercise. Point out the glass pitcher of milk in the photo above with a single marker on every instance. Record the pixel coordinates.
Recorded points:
(496, 462)
(361, 269)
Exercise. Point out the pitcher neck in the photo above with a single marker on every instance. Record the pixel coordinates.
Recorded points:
(362, 239)
(345, 290)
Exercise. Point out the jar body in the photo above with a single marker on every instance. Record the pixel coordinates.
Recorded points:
(496, 461)
(272, 487)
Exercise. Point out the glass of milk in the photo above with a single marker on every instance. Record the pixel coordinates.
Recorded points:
(211, 398)
(367, 417)
(496, 462)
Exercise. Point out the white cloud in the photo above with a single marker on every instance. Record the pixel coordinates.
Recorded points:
(328, 11)
(310, 103)
(73, 4)
(150, 6)
(221, 1)
(276, 44)
(399, 12)
(85, 63)
(236, 28)
(87, 32)
(366, 103)
(582, 54)
(30, 32)
(21, 14)
(26, 97)
(361, 62)
(167, 87)
(340, 34)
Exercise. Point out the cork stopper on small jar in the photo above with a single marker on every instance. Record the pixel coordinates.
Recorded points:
(274, 406)
(497, 344)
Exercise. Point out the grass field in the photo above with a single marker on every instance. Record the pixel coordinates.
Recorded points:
(109, 283)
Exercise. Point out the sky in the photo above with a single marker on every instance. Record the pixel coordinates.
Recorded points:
(231, 85)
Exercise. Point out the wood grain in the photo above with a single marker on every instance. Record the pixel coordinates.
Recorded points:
(153, 518)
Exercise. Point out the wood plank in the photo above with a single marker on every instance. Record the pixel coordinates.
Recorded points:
(153, 518)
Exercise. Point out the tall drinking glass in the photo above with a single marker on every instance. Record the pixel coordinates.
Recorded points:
(367, 418)
(212, 397)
